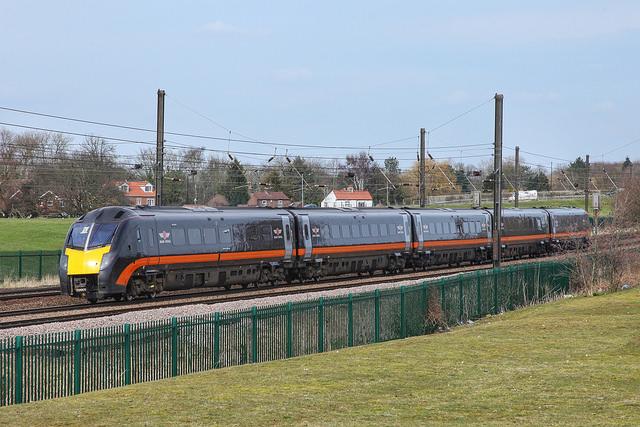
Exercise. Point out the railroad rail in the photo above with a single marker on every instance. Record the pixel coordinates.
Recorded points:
(23, 293)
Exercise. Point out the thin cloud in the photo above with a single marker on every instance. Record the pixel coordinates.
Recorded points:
(535, 26)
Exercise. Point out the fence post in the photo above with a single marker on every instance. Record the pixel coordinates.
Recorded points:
(495, 272)
(18, 370)
(19, 264)
(254, 334)
(403, 314)
(289, 329)
(174, 347)
(127, 354)
(377, 315)
(216, 340)
(40, 266)
(442, 301)
(460, 297)
(77, 354)
(478, 295)
(321, 325)
(350, 322)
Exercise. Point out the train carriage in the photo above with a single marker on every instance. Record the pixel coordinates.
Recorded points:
(570, 228)
(350, 240)
(450, 236)
(154, 249)
(525, 232)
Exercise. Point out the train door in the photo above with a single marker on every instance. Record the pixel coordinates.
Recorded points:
(148, 240)
(419, 231)
(407, 232)
(288, 237)
(306, 236)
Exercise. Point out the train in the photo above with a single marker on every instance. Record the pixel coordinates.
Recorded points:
(130, 252)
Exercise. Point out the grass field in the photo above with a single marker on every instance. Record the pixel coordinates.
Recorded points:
(571, 362)
(605, 208)
(33, 234)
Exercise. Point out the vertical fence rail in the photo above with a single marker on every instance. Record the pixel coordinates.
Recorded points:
(61, 364)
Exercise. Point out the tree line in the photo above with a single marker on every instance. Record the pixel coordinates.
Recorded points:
(84, 174)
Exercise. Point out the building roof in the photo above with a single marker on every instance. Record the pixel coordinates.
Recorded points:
(136, 189)
(352, 195)
(269, 195)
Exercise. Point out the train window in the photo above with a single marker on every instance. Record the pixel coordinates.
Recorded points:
(225, 235)
(150, 234)
(306, 231)
(383, 229)
(287, 232)
(267, 232)
(466, 228)
(335, 231)
(324, 231)
(355, 230)
(392, 229)
(195, 237)
(210, 236)
(252, 233)
(138, 235)
(438, 228)
(345, 231)
(374, 229)
(365, 230)
(178, 237)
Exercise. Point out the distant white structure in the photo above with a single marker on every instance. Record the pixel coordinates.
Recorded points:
(525, 195)
(348, 198)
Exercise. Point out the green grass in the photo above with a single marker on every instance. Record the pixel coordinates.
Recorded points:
(33, 234)
(605, 208)
(571, 362)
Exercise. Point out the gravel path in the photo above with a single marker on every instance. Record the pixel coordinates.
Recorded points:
(192, 310)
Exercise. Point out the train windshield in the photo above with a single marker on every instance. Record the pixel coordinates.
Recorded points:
(101, 235)
(97, 235)
(78, 236)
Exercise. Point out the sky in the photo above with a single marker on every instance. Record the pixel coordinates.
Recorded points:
(340, 74)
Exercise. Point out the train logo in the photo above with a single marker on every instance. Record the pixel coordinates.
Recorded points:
(277, 233)
(165, 237)
(315, 231)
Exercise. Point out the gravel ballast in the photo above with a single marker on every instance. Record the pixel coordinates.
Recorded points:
(194, 310)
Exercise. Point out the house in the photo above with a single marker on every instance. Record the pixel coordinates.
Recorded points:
(138, 193)
(50, 204)
(348, 198)
(271, 199)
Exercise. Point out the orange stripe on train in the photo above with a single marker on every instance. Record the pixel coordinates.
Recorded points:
(128, 271)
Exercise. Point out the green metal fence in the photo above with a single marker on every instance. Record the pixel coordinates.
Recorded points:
(62, 364)
(28, 264)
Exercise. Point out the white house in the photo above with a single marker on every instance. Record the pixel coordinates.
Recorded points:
(348, 198)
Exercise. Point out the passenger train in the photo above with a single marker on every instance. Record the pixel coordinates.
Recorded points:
(128, 252)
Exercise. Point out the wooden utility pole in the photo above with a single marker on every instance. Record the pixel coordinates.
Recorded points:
(423, 173)
(587, 182)
(497, 182)
(517, 194)
(160, 148)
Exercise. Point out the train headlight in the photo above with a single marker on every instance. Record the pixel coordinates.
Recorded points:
(64, 262)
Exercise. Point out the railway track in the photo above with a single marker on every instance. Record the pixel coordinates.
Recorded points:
(24, 293)
(41, 315)
(58, 313)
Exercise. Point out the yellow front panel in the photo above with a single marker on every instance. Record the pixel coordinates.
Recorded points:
(85, 262)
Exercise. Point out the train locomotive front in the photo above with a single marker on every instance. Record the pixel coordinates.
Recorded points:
(97, 248)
